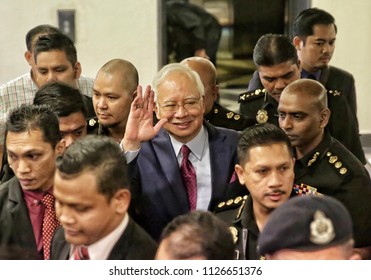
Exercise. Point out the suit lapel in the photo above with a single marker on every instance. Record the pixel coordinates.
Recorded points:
(122, 246)
(324, 76)
(219, 172)
(19, 214)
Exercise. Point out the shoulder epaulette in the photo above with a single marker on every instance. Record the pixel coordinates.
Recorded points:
(231, 204)
(334, 92)
(336, 163)
(228, 115)
(251, 95)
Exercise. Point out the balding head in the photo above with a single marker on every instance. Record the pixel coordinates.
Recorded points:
(311, 89)
(207, 72)
(114, 89)
(303, 114)
(125, 70)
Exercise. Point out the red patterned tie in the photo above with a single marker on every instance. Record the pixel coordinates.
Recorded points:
(189, 177)
(50, 223)
(81, 253)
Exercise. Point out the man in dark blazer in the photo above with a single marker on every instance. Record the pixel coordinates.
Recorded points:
(92, 197)
(154, 153)
(33, 141)
(322, 162)
(278, 65)
(314, 39)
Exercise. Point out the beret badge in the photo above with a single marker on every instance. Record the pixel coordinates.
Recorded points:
(321, 229)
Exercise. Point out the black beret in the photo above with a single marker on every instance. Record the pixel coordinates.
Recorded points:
(306, 223)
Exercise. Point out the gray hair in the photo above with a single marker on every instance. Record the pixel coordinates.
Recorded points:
(174, 68)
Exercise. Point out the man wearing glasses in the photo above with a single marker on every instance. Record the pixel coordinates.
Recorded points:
(182, 163)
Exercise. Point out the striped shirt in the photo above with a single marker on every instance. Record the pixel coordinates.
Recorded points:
(22, 90)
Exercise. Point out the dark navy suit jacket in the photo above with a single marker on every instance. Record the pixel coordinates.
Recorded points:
(157, 188)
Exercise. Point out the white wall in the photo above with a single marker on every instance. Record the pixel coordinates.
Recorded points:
(104, 30)
(128, 29)
(353, 44)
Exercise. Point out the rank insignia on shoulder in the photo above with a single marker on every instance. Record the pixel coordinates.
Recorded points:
(230, 115)
(334, 92)
(250, 95)
(334, 161)
(231, 203)
(313, 160)
(92, 122)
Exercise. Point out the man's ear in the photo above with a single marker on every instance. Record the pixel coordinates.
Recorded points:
(240, 172)
(121, 199)
(61, 146)
(325, 117)
(78, 70)
(215, 92)
(28, 57)
(134, 94)
(297, 43)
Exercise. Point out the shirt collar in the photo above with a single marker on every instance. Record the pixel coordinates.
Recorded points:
(101, 249)
(196, 145)
(305, 74)
(35, 196)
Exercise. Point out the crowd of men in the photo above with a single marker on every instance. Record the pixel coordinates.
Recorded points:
(103, 168)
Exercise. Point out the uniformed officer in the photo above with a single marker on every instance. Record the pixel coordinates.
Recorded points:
(266, 168)
(308, 228)
(215, 114)
(278, 65)
(323, 162)
(277, 62)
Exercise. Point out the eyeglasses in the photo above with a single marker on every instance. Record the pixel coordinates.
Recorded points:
(172, 107)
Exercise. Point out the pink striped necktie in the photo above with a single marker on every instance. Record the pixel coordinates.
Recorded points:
(81, 253)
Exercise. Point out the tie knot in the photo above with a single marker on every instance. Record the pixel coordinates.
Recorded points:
(81, 253)
(185, 151)
(48, 200)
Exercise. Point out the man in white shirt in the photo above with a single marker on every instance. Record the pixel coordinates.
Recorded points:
(91, 187)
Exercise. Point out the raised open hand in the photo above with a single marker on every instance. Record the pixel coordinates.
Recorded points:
(139, 126)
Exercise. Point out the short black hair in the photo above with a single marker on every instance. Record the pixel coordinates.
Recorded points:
(260, 135)
(56, 41)
(32, 117)
(306, 19)
(37, 30)
(273, 49)
(61, 98)
(201, 234)
(100, 154)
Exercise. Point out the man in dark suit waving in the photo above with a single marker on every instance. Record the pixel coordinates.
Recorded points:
(160, 193)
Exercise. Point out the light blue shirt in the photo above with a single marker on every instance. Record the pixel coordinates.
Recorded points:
(200, 159)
